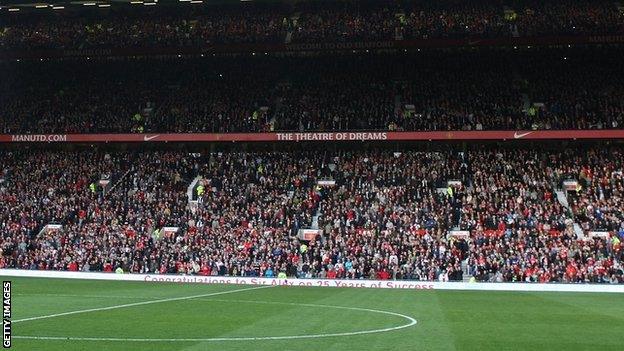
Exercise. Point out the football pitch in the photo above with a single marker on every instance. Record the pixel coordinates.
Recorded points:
(61, 314)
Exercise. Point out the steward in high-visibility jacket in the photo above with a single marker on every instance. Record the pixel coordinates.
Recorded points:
(200, 190)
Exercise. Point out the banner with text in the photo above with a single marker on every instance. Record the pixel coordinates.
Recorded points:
(224, 49)
(315, 136)
(329, 283)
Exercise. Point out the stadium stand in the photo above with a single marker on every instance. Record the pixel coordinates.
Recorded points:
(313, 22)
(531, 90)
(504, 211)
(384, 215)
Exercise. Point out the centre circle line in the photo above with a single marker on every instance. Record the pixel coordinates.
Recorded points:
(411, 322)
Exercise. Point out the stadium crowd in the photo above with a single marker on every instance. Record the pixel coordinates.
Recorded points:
(383, 215)
(309, 22)
(169, 27)
(546, 89)
(486, 212)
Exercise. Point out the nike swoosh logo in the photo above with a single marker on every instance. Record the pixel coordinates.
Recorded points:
(518, 136)
(146, 138)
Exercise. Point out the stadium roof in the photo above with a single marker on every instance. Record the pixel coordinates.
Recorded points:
(43, 5)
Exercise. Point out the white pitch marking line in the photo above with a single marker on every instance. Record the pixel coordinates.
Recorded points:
(411, 320)
(137, 304)
(90, 296)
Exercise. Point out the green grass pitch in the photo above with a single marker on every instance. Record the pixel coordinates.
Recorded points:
(130, 315)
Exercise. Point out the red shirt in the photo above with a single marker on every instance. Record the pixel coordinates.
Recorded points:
(108, 267)
(205, 270)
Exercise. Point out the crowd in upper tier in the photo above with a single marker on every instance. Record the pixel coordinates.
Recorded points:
(517, 90)
(388, 215)
(306, 22)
